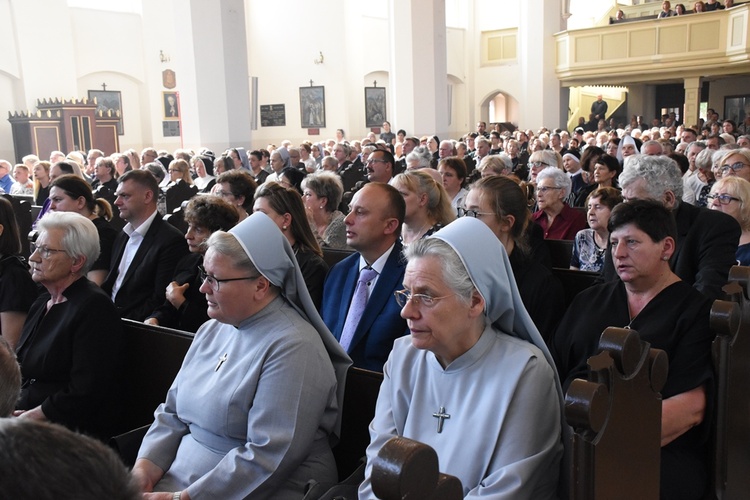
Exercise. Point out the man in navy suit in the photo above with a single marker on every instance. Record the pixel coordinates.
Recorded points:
(145, 252)
(373, 228)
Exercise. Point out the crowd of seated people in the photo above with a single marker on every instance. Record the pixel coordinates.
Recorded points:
(679, 10)
(386, 202)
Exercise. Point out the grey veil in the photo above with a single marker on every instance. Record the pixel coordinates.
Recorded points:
(271, 253)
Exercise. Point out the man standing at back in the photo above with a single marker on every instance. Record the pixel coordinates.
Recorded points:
(145, 252)
(358, 302)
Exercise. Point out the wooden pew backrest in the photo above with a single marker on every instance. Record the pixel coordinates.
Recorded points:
(730, 321)
(616, 416)
(360, 397)
(153, 356)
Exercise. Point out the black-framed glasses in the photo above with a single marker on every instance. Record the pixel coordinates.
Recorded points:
(215, 283)
(724, 199)
(734, 166)
(46, 252)
(405, 296)
(466, 212)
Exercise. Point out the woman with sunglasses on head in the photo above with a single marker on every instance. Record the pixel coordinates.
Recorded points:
(731, 195)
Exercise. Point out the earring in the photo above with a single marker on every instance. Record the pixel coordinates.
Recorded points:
(321, 206)
(665, 258)
(283, 227)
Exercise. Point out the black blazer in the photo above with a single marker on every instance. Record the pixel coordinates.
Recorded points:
(151, 270)
(70, 360)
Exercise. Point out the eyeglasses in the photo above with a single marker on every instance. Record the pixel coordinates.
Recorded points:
(544, 189)
(171, 170)
(735, 166)
(464, 212)
(538, 164)
(224, 194)
(724, 199)
(46, 252)
(215, 283)
(375, 160)
(405, 296)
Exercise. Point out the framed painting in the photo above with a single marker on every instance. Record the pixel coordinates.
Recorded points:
(374, 106)
(312, 107)
(109, 100)
(736, 108)
(171, 102)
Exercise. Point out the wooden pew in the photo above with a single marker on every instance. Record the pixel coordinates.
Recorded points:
(574, 281)
(616, 417)
(560, 252)
(360, 397)
(407, 469)
(153, 356)
(333, 256)
(730, 320)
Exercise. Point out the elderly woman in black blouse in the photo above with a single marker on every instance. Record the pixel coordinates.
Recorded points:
(71, 343)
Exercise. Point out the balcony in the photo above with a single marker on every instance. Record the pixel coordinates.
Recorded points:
(709, 44)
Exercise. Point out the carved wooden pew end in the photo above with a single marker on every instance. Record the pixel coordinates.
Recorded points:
(408, 470)
(616, 415)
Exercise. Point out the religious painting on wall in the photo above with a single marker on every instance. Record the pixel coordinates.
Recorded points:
(736, 108)
(109, 101)
(312, 106)
(171, 105)
(374, 106)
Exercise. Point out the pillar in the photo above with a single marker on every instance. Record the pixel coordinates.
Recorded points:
(418, 80)
(692, 100)
(539, 21)
(212, 63)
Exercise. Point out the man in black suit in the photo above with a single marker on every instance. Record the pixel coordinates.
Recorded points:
(706, 239)
(145, 252)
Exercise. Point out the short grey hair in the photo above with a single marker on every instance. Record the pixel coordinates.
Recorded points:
(80, 237)
(325, 185)
(704, 159)
(661, 174)
(10, 379)
(422, 154)
(559, 177)
(455, 275)
(227, 244)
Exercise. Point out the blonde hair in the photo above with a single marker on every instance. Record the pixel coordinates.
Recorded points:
(739, 188)
(438, 202)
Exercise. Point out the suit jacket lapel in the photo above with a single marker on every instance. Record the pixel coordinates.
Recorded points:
(683, 220)
(142, 249)
(117, 250)
(387, 283)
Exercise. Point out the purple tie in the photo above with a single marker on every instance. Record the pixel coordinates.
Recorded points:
(357, 307)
